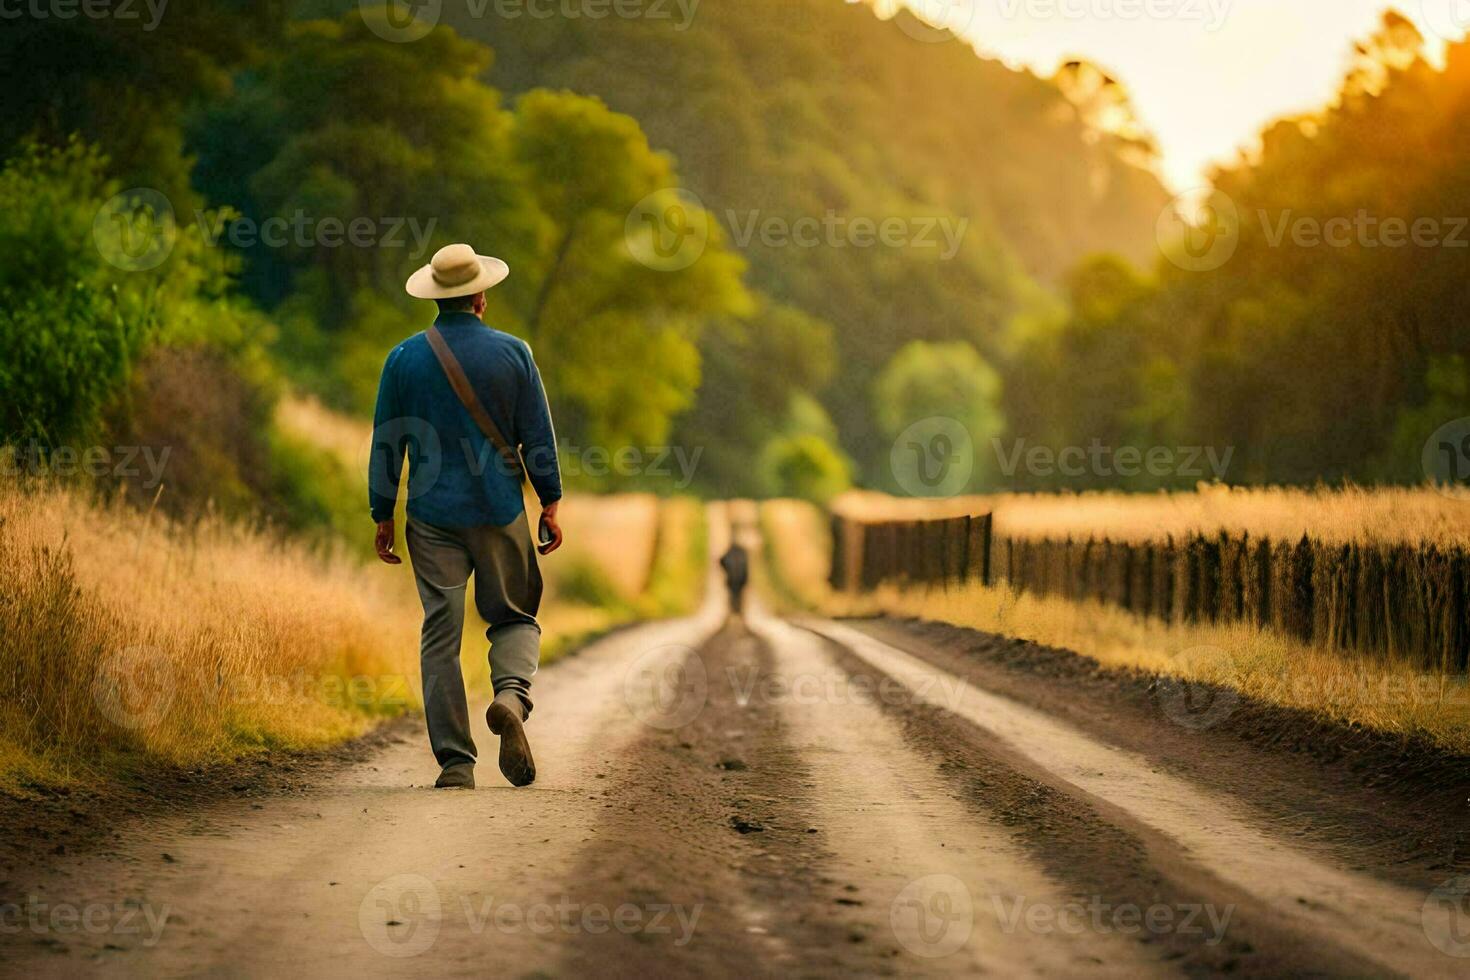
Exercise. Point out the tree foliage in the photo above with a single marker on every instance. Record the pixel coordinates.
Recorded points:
(1330, 344)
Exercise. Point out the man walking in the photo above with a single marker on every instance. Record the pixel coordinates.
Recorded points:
(736, 564)
(465, 402)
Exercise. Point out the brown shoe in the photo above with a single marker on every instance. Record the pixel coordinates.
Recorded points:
(515, 751)
(460, 776)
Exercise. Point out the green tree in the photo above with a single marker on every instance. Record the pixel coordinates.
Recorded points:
(951, 380)
(618, 337)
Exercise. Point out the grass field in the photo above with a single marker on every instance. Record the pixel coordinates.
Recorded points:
(127, 636)
(1372, 691)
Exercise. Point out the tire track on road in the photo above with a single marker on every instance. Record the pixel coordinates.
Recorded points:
(923, 867)
(1295, 911)
(707, 813)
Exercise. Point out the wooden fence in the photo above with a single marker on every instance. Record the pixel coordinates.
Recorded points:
(941, 552)
(1405, 602)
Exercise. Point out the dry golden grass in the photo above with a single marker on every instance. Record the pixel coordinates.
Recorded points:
(124, 632)
(617, 533)
(1409, 515)
(1354, 688)
(798, 559)
(676, 577)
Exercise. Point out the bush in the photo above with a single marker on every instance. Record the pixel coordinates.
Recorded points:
(71, 324)
(805, 466)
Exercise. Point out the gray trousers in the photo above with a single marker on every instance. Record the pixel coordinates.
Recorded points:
(507, 595)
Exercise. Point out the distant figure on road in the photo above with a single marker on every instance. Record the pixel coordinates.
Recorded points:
(736, 564)
(465, 402)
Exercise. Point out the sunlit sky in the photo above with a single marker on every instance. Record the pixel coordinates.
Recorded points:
(1206, 77)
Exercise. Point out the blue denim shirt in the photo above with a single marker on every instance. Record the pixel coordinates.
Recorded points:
(455, 476)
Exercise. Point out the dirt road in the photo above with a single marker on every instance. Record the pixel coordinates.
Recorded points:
(753, 797)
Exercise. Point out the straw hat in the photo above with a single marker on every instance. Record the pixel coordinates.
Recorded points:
(456, 271)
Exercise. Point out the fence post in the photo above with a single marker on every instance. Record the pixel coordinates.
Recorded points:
(837, 574)
(1299, 597)
(964, 532)
(987, 538)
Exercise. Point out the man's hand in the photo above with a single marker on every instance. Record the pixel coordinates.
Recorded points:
(384, 543)
(548, 521)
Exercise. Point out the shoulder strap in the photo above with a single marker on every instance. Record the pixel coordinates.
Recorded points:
(461, 385)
